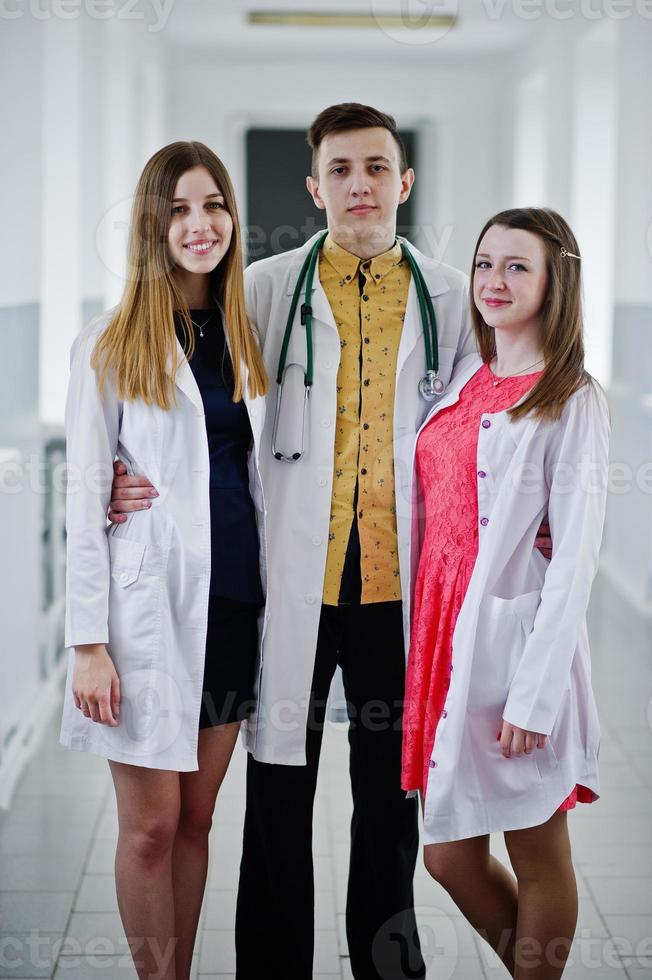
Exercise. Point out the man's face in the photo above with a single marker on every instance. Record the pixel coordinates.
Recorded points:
(360, 185)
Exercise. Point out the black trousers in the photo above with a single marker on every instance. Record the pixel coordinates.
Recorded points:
(275, 910)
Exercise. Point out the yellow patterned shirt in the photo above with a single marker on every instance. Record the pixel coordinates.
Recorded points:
(369, 317)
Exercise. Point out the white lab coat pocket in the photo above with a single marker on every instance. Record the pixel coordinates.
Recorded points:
(134, 604)
(502, 631)
(126, 558)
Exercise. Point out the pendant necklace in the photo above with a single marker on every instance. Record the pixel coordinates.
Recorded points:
(498, 381)
(200, 326)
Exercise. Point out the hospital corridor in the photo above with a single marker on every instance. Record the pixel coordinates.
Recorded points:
(496, 108)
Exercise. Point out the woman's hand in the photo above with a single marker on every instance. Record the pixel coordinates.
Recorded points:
(96, 685)
(515, 741)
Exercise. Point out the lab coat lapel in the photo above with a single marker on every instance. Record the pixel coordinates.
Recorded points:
(321, 309)
(412, 326)
(185, 379)
(464, 371)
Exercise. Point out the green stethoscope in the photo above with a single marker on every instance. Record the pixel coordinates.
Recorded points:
(430, 385)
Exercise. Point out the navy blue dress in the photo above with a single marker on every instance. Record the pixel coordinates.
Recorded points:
(235, 588)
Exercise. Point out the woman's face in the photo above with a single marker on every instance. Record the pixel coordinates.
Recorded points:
(201, 227)
(510, 278)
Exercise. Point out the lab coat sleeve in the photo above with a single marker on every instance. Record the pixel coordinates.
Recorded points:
(577, 474)
(92, 426)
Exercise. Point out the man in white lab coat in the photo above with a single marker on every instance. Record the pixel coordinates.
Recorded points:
(337, 545)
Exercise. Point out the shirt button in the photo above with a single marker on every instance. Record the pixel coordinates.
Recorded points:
(484, 521)
(481, 474)
(365, 425)
(124, 577)
(444, 713)
(310, 599)
(348, 278)
(316, 540)
(486, 424)
(366, 382)
(432, 764)
(364, 471)
(366, 340)
(365, 298)
(359, 513)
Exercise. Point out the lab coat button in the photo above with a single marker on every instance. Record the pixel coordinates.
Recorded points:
(325, 423)
(124, 577)
(486, 424)
(321, 481)
(316, 541)
(310, 599)
(484, 521)
(481, 474)
(328, 364)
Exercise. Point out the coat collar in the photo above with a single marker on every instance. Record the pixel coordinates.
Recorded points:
(185, 379)
(435, 280)
(412, 328)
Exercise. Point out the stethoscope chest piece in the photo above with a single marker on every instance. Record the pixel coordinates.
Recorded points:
(430, 386)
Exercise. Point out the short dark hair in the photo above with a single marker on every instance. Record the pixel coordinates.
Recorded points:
(352, 115)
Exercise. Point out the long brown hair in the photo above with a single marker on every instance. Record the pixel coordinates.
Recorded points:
(139, 344)
(562, 342)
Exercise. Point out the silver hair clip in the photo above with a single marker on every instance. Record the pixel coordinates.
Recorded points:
(565, 252)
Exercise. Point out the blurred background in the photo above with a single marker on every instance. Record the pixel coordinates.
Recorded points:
(502, 103)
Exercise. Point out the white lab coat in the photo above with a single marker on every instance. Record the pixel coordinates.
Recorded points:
(298, 495)
(520, 648)
(142, 587)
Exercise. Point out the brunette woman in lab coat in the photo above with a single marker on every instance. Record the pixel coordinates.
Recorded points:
(162, 611)
(500, 726)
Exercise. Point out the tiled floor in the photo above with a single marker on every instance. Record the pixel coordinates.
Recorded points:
(58, 914)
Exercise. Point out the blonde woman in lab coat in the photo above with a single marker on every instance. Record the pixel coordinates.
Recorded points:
(162, 611)
(500, 729)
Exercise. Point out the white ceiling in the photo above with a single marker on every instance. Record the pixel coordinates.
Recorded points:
(484, 27)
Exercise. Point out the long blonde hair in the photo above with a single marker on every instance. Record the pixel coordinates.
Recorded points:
(562, 342)
(139, 345)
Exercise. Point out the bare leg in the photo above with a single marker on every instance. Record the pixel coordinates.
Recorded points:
(547, 898)
(481, 887)
(190, 854)
(148, 814)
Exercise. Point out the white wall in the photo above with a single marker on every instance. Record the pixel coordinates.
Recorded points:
(454, 106)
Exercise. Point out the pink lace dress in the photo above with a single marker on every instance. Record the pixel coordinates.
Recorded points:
(446, 460)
